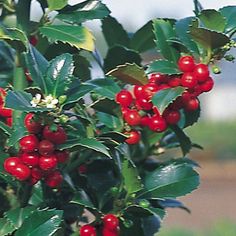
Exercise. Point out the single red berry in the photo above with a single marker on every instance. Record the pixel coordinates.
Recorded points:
(133, 137)
(29, 143)
(124, 110)
(57, 137)
(145, 121)
(196, 91)
(138, 91)
(207, 85)
(33, 40)
(36, 173)
(9, 121)
(87, 230)
(132, 117)
(5, 112)
(21, 172)
(30, 159)
(177, 104)
(143, 104)
(163, 86)
(107, 232)
(62, 156)
(111, 222)
(186, 63)
(54, 179)
(157, 78)
(191, 105)
(124, 98)
(34, 127)
(157, 124)
(149, 90)
(186, 96)
(174, 82)
(46, 147)
(201, 72)
(47, 162)
(172, 117)
(10, 164)
(188, 80)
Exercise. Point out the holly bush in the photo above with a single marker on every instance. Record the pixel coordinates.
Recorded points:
(83, 155)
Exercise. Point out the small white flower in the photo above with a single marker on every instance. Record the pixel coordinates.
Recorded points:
(36, 100)
(50, 101)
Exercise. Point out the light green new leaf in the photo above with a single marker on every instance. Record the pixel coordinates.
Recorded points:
(6, 228)
(56, 4)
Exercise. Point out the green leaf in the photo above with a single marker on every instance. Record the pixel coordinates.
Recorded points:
(143, 39)
(5, 128)
(88, 10)
(131, 178)
(110, 121)
(163, 31)
(191, 117)
(82, 199)
(163, 66)
(56, 5)
(18, 215)
(229, 12)
(182, 31)
(130, 73)
(41, 222)
(6, 227)
(170, 180)
(114, 33)
(37, 195)
(19, 100)
(82, 67)
(105, 105)
(75, 36)
(163, 98)
(15, 37)
(90, 143)
(59, 73)
(119, 56)
(212, 20)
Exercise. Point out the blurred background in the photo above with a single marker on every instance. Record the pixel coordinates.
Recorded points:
(213, 210)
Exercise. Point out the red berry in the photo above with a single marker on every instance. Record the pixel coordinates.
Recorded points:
(138, 91)
(46, 147)
(186, 63)
(58, 137)
(188, 80)
(30, 159)
(207, 85)
(87, 230)
(36, 173)
(107, 232)
(5, 112)
(132, 117)
(10, 164)
(83, 169)
(111, 222)
(134, 137)
(201, 72)
(21, 172)
(157, 78)
(29, 143)
(47, 162)
(62, 156)
(174, 82)
(192, 104)
(145, 121)
(31, 125)
(172, 117)
(163, 86)
(33, 40)
(144, 104)
(124, 98)
(9, 121)
(157, 124)
(54, 179)
(149, 90)
(156, 111)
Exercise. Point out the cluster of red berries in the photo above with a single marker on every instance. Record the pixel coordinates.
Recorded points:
(38, 158)
(5, 113)
(110, 227)
(137, 107)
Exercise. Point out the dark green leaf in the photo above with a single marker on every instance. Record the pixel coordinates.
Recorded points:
(138, 211)
(44, 222)
(163, 98)
(191, 117)
(171, 180)
(131, 178)
(90, 10)
(82, 68)
(106, 105)
(56, 5)
(37, 195)
(110, 121)
(163, 31)
(130, 73)
(5, 128)
(76, 36)
(163, 66)
(119, 56)
(143, 39)
(82, 199)
(114, 32)
(151, 225)
(229, 12)
(212, 20)
(6, 227)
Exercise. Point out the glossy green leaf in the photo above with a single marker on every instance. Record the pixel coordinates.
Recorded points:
(18, 215)
(56, 5)
(163, 98)
(75, 36)
(163, 31)
(212, 20)
(88, 10)
(170, 180)
(6, 228)
(110, 121)
(119, 56)
(82, 199)
(5, 128)
(143, 39)
(114, 32)
(131, 178)
(105, 105)
(130, 73)
(163, 66)
(41, 222)
(229, 12)
(82, 68)
(191, 117)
